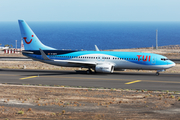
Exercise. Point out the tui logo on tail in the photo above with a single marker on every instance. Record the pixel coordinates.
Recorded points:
(26, 40)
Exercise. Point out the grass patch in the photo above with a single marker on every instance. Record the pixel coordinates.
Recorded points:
(172, 96)
(179, 99)
(20, 112)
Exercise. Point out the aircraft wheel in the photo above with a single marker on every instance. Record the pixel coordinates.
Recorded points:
(157, 73)
(88, 71)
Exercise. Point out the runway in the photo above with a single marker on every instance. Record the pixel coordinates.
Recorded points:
(177, 61)
(123, 80)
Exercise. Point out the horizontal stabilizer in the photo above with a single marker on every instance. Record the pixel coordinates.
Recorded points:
(44, 55)
(26, 52)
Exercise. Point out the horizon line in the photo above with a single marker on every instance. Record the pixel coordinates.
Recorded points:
(83, 21)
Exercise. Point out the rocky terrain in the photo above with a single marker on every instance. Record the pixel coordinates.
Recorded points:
(51, 103)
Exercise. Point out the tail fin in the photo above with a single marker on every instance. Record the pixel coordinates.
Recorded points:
(31, 41)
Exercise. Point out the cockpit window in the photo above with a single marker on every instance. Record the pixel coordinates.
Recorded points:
(164, 59)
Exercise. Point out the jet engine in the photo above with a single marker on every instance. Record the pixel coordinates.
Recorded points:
(104, 68)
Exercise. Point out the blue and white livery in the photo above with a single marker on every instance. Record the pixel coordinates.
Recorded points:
(99, 61)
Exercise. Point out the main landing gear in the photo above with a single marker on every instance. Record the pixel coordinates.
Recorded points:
(89, 71)
(157, 73)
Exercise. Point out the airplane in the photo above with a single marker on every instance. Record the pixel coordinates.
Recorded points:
(99, 61)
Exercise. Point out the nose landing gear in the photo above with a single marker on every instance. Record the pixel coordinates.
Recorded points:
(157, 73)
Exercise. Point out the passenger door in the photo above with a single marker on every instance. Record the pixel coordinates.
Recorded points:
(153, 61)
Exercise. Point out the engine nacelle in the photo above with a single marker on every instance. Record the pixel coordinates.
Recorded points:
(104, 68)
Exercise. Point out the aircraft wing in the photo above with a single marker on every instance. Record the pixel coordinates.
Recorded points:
(68, 61)
(77, 62)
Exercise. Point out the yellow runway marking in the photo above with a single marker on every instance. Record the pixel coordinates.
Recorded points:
(28, 77)
(133, 82)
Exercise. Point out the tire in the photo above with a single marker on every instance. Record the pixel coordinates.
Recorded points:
(157, 73)
(88, 72)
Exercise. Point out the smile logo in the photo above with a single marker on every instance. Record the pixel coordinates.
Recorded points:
(26, 40)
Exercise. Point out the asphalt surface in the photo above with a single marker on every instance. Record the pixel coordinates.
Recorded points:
(123, 80)
(177, 61)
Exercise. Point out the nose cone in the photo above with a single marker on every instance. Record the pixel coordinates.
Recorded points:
(171, 63)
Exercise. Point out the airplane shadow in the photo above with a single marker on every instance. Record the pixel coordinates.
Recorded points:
(80, 72)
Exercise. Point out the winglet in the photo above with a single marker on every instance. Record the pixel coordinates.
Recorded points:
(44, 55)
(97, 49)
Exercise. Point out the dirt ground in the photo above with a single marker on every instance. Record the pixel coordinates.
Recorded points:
(51, 103)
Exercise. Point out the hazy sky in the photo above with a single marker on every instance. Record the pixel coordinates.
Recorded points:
(90, 10)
